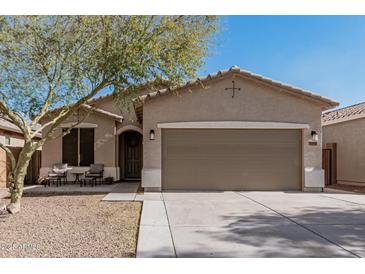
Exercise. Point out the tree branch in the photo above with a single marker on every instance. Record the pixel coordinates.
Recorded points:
(66, 113)
(44, 108)
(45, 125)
(10, 155)
(71, 127)
(53, 129)
(14, 118)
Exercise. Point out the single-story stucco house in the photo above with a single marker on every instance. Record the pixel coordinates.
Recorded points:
(231, 130)
(344, 138)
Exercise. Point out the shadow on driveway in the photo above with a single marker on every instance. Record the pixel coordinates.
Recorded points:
(299, 230)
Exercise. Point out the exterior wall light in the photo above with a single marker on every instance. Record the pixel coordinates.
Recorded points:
(314, 140)
(152, 135)
(314, 136)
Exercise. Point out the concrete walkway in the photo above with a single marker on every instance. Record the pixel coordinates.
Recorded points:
(154, 237)
(129, 192)
(253, 224)
(123, 192)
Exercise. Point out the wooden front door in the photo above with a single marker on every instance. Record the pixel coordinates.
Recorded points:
(132, 155)
(329, 163)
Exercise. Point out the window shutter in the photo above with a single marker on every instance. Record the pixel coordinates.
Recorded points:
(69, 147)
(86, 146)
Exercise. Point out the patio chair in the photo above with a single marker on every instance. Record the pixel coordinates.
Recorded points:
(58, 174)
(96, 172)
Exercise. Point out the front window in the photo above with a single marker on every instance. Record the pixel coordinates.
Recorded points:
(7, 140)
(78, 147)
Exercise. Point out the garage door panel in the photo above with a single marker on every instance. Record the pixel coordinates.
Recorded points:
(230, 151)
(231, 159)
(237, 152)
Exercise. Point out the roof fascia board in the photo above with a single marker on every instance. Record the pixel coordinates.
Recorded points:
(232, 125)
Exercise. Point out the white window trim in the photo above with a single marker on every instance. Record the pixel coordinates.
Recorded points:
(81, 125)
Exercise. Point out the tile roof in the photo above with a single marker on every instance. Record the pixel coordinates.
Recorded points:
(6, 125)
(328, 103)
(344, 114)
(93, 101)
(96, 110)
(99, 98)
(104, 112)
(142, 90)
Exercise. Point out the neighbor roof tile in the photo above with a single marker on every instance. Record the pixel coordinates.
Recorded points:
(344, 114)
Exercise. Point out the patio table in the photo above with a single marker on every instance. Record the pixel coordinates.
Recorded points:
(77, 176)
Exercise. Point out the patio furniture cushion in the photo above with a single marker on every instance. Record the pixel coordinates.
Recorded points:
(96, 175)
(60, 168)
(96, 168)
(54, 175)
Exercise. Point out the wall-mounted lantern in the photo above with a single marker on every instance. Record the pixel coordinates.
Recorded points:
(314, 140)
(314, 135)
(152, 135)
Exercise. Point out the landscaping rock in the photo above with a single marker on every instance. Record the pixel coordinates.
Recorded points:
(13, 208)
(70, 226)
(2, 207)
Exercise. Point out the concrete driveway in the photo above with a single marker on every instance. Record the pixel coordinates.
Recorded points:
(252, 224)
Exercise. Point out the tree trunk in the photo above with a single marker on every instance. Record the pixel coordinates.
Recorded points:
(16, 192)
(17, 178)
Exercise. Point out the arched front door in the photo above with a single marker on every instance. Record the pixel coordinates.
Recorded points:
(130, 155)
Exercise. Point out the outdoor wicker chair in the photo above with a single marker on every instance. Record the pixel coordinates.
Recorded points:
(58, 174)
(95, 172)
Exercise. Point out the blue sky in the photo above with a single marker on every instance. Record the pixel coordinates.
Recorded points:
(324, 54)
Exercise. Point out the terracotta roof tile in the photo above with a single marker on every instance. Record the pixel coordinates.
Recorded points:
(104, 112)
(4, 124)
(344, 114)
(235, 69)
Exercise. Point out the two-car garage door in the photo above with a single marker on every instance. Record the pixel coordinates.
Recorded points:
(231, 159)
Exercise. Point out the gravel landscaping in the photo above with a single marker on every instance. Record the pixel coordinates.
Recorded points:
(70, 226)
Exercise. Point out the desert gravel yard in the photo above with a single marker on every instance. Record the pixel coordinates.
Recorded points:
(70, 226)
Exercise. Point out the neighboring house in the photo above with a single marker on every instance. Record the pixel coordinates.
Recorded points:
(344, 138)
(231, 130)
(12, 137)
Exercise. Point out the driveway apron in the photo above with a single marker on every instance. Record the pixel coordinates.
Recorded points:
(252, 224)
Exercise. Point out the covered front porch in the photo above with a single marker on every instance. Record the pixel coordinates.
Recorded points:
(98, 140)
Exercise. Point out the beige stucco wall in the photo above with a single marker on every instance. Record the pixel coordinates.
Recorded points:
(349, 137)
(130, 122)
(127, 111)
(255, 102)
(106, 138)
(104, 147)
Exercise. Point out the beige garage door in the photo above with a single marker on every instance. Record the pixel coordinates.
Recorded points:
(218, 159)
